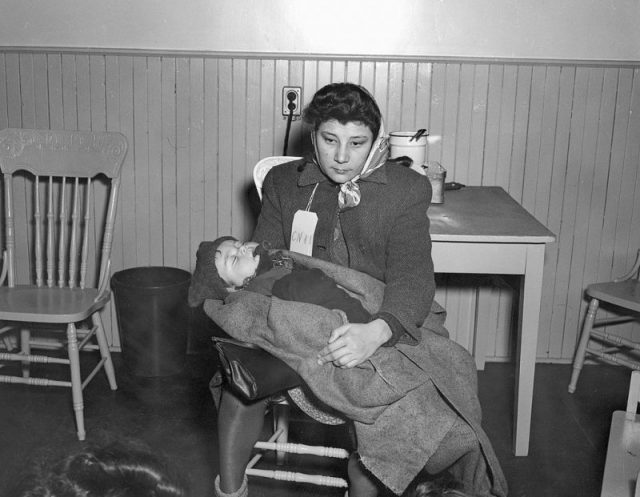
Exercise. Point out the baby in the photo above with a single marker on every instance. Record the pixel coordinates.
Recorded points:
(228, 265)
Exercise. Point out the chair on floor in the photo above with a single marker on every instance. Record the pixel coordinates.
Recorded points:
(279, 402)
(624, 294)
(60, 196)
(622, 464)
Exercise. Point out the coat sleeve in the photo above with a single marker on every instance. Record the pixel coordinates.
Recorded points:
(409, 275)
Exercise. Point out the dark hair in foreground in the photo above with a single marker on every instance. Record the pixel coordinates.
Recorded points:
(442, 485)
(344, 102)
(115, 470)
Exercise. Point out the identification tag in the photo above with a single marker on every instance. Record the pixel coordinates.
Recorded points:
(302, 231)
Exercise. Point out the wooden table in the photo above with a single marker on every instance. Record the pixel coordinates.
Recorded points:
(483, 230)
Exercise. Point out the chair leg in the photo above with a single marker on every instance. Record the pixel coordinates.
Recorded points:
(104, 350)
(281, 422)
(25, 348)
(76, 380)
(582, 345)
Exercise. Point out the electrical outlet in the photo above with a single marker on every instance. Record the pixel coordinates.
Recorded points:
(291, 94)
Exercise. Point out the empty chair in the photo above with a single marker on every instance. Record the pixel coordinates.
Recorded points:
(624, 294)
(60, 197)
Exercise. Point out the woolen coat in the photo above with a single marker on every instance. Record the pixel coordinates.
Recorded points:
(386, 234)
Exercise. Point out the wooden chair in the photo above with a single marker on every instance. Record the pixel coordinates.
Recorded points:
(624, 293)
(59, 221)
(622, 464)
(263, 166)
(280, 405)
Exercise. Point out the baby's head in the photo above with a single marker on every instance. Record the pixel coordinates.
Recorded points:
(236, 262)
(222, 266)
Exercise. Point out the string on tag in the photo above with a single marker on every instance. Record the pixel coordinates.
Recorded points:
(311, 197)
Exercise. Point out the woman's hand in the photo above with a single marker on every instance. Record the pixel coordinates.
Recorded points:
(352, 344)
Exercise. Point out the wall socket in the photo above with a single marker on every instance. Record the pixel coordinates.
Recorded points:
(291, 94)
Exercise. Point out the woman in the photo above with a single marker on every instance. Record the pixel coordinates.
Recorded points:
(370, 215)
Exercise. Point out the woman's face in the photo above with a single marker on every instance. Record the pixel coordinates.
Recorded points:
(342, 149)
(235, 261)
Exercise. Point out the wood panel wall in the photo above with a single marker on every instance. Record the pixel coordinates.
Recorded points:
(562, 138)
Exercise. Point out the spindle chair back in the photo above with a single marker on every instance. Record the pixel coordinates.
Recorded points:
(60, 196)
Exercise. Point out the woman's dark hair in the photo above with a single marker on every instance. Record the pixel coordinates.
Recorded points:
(116, 470)
(344, 102)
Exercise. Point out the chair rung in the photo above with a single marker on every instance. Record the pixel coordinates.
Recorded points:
(93, 372)
(615, 339)
(328, 481)
(42, 382)
(86, 336)
(47, 344)
(614, 359)
(618, 320)
(254, 460)
(43, 359)
(304, 449)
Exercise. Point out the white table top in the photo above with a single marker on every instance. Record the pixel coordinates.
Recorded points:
(484, 214)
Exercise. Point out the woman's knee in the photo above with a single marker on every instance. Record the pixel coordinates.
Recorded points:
(235, 411)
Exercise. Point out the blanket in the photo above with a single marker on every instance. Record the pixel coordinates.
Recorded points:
(413, 406)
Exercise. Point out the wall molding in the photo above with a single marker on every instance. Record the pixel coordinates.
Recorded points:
(318, 56)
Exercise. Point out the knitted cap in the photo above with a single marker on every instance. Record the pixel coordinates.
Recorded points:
(206, 283)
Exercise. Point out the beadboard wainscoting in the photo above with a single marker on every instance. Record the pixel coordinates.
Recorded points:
(563, 138)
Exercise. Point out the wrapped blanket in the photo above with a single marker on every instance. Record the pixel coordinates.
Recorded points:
(412, 405)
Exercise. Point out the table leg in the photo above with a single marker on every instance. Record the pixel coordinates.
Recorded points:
(528, 322)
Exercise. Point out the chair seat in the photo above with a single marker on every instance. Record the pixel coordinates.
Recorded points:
(48, 305)
(623, 293)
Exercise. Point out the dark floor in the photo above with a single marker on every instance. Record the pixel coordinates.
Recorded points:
(176, 417)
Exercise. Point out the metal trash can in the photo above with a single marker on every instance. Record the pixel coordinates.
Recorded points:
(153, 317)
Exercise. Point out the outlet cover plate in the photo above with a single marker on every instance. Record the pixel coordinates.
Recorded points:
(285, 101)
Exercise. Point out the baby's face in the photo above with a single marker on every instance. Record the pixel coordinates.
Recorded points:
(235, 261)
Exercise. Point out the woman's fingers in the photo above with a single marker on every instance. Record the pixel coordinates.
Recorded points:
(333, 351)
(349, 345)
(338, 332)
(351, 364)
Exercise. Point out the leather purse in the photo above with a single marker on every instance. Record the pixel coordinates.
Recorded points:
(252, 372)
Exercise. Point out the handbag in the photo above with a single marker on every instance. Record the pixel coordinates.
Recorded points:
(252, 372)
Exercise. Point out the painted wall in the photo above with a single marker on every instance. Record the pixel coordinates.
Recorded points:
(539, 29)
(562, 139)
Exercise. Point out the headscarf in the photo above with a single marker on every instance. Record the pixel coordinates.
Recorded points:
(349, 195)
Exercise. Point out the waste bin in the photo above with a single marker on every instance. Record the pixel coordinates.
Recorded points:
(153, 317)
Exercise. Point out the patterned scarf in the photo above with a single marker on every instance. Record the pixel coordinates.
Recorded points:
(350, 195)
